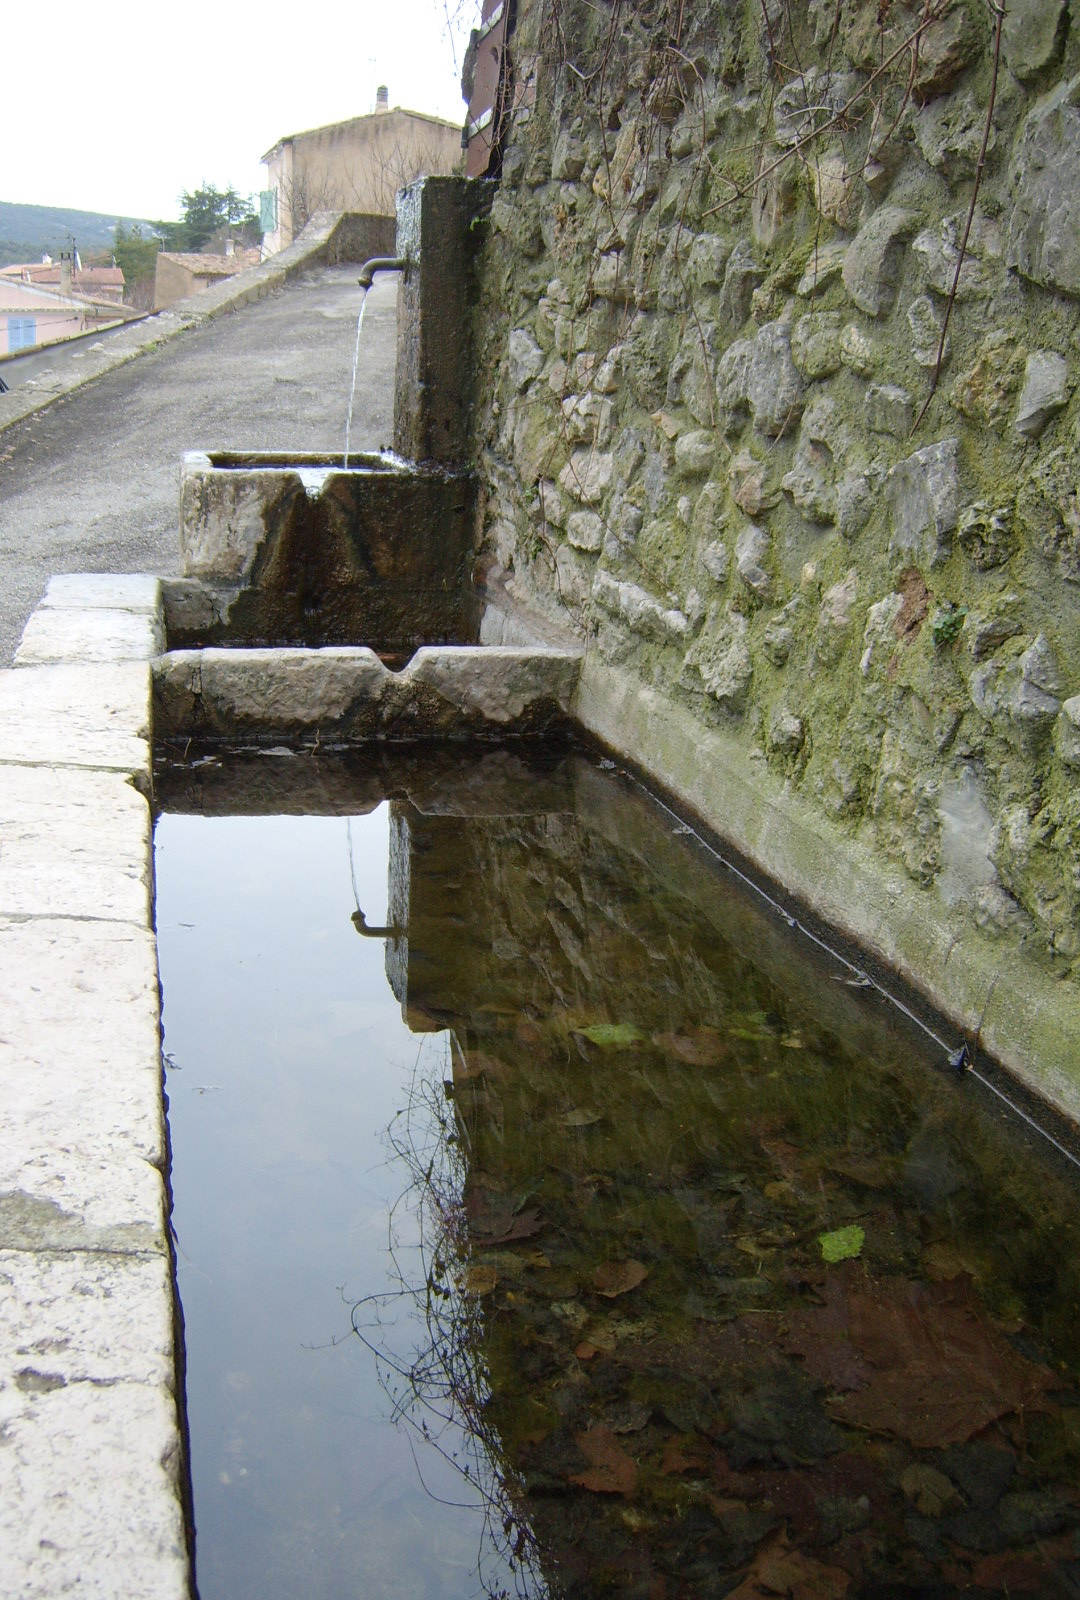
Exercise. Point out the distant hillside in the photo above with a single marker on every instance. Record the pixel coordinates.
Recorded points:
(26, 232)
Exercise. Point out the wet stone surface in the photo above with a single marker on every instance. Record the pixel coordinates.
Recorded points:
(728, 1284)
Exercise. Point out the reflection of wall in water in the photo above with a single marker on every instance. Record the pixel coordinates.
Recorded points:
(751, 1102)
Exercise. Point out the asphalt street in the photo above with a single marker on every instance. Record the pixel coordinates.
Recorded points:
(91, 484)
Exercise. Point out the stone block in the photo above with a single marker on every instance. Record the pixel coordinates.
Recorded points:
(923, 496)
(815, 345)
(751, 552)
(526, 359)
(1067, 732)
(949, 133)
(1045, 392)
(84, 591)
(874, 259)
(585, 530)
(888, 409)
(498, 685)
(81, 1118)
(63, 633)
(1032, 35)
(1043, 227)
(721, 660)
(741, 277)
(90, 1495)
(77, 716)
(825, 262)
(947, 46)
(349, 693)
(926, 325)
(774, 388)
(857, 351)
(110, 1320)
(73, 844)
(695, 453)
(838, 193)
(587, 475)
(639, 609)
(938, 251)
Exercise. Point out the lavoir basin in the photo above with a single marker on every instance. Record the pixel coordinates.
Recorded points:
(554, 1217)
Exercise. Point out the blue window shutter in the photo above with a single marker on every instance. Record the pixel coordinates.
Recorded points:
(22, 332)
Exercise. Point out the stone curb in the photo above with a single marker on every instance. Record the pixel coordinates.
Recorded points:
(246, 288)
(92, 1480)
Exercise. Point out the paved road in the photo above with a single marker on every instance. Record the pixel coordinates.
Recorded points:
(91, 483)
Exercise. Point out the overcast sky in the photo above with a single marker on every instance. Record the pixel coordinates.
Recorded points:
(119, 110)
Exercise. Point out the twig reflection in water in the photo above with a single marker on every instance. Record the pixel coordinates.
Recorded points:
(442, 1393)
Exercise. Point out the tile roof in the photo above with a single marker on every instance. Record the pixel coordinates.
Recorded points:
(216, 266)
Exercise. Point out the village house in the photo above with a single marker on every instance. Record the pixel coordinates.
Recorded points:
(31, 316)
(103, 285)
(355, 166)
(179, 273)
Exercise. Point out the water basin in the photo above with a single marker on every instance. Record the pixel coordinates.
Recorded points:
(553, 1217)
(295, 549)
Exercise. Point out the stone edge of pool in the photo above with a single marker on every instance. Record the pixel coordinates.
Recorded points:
(92, 1484)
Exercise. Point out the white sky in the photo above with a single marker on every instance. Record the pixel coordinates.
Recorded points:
(120, 113)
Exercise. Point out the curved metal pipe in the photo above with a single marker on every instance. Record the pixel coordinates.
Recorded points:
(380, 264)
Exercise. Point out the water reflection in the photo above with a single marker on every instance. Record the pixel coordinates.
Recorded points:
(702, 1267)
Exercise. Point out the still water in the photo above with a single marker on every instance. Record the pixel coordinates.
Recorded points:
(552, 1218)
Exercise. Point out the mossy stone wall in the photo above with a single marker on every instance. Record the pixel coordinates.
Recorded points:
(728, 246)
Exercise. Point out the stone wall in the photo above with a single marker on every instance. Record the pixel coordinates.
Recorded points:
(728, 246)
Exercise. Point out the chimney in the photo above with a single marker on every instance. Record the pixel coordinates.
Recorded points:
(65, 272)
(382, 99)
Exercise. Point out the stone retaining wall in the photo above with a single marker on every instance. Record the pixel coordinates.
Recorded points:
(728, 245)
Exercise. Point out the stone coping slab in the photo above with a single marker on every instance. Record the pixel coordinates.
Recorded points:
(69, 633)
(110, 591)
(90, 1487)
(82, 1126)
(76, 843)
(92, 1481)
(78, 716)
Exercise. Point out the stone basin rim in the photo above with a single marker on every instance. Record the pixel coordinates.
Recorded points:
(362, 463)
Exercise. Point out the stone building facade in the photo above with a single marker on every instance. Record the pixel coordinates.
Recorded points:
(780, 336)
(354, 166)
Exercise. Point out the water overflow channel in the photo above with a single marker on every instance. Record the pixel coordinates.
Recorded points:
(586, 1196)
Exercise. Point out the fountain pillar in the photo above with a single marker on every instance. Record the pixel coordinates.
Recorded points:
(438, 233)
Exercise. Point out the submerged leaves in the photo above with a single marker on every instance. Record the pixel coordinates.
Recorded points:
(613, 1278)
(843, 1244)
(612, 1035)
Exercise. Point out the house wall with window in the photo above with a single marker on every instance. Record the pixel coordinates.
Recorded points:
(30, 317)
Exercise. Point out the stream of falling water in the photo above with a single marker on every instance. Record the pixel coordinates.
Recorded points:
(352, 385)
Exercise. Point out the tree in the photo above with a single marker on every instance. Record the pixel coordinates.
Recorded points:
(137, 259)
(206, 210)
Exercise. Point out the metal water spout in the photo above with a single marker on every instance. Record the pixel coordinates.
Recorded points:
(380, 264)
